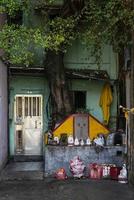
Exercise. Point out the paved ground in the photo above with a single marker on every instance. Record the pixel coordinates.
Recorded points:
(65, 190)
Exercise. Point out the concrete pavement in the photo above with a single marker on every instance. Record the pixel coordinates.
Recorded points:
(47, 189)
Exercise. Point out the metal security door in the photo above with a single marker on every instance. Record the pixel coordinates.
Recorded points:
(29, 124)
(81, 126)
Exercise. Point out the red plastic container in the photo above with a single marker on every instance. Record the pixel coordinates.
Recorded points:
(95, 171)
(114, 172)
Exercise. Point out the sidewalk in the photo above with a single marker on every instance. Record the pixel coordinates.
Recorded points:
(65, 190)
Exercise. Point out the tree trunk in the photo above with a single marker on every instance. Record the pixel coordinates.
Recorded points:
(59, 89)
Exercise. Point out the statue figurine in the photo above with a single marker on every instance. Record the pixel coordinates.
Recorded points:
(81, 142)
(88, 141)
(122, 178)
(70, 140)
(56, 139)
(76, 142)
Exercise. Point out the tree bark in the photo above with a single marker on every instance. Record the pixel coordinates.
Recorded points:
(59, 89)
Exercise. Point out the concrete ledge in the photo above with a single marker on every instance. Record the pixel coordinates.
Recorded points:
(59, 156)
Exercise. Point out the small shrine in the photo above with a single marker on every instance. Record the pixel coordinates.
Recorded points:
(81, 126)
(84, 137)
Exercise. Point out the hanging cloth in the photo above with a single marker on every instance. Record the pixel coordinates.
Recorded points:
(105, 101)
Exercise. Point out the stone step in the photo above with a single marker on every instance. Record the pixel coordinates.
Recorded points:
(27, 158)
(23, 171)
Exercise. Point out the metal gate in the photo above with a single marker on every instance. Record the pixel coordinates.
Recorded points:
(28, 124)
(81, 126)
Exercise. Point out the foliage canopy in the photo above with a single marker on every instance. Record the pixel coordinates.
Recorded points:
(96, 23)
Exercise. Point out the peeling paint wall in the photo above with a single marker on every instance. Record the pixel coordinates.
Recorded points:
(3, 115)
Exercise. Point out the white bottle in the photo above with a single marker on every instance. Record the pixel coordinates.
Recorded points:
(105, 173)
(108, 170)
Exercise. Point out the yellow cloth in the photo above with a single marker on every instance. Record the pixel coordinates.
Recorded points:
(105, 102)
(126, 115)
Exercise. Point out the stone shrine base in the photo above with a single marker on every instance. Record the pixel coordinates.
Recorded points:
(56, 157)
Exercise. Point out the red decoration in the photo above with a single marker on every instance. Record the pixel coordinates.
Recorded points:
(114, 172)
(95, 171)
(61, 174)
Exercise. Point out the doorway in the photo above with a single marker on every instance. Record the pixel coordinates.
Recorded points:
(79, 100)
(28, 120)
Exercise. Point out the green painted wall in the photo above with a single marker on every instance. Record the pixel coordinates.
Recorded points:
(38, 85)
(93, 89)
(78, 57)
(26, 85)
